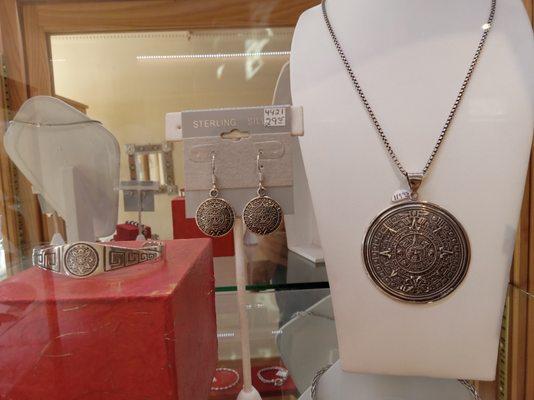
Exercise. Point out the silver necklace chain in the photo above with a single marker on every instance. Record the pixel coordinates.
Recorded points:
(315, 384)
(486, 28)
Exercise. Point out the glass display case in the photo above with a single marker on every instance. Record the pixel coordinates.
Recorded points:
(124, 65)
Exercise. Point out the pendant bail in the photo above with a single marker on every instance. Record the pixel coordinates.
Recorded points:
(414, 181)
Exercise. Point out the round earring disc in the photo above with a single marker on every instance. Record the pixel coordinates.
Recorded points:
(262, 215)
(215, 217)
(416, 252)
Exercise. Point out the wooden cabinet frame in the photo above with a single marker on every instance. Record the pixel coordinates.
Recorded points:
(25, 29)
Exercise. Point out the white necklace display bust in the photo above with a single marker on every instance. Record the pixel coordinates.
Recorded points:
(410, 57)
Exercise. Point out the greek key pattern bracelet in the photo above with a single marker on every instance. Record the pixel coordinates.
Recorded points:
(315, 384)
(84, 259)
(230, 385)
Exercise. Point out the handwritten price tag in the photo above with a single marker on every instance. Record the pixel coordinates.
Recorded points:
(400, 195)
(274, 116)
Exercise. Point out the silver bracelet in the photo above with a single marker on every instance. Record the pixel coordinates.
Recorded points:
(280, 377)
(315, 384)
(84, 259)
(231, 385)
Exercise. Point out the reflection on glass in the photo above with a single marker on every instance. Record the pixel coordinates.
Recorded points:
(3, 266)
(149, 167)
(130, 80)
(293, 329)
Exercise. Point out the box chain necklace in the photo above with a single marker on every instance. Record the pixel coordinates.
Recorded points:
(415, 251)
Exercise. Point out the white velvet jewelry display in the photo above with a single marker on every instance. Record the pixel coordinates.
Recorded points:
(410, 57)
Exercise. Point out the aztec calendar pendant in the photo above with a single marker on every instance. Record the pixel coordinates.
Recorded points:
(416, 252)
(262, 215)
(215, 217)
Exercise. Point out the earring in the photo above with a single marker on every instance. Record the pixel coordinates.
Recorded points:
(215, 216)
(262, 215)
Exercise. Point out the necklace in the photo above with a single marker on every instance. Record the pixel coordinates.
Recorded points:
(415, 251)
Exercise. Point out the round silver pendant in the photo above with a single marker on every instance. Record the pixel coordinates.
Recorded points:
(215, 217)
(262, 215)
(416, 252)
(81, 259)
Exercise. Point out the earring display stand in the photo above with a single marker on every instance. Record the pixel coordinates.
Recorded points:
(71, 161)
(248, 392)
(139, 196)
(236, 137)
(301, 227)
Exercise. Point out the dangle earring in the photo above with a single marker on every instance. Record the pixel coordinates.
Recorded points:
(262, 215)
(215, 216)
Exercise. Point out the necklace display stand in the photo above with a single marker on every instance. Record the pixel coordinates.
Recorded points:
(410, 58)
(301, 226)
(248, 392)
(78, 217)
(71, 161)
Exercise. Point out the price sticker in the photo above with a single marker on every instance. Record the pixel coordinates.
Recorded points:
(400, 195)
(274, 116)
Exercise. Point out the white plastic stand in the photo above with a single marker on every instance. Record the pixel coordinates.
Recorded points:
(336, 384)
(248, 392)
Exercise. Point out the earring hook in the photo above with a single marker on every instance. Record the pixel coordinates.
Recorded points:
(213, 178)
(261, 189)
(214, 191)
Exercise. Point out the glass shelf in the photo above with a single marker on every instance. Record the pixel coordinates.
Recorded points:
(278, 324)
(263, 274)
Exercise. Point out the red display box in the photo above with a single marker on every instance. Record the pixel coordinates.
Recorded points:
(143, 332)
(185, 228)
(129, 232)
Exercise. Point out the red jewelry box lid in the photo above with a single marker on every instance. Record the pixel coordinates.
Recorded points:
(143, 332)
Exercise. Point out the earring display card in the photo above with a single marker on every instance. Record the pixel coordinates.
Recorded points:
(236, 137)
